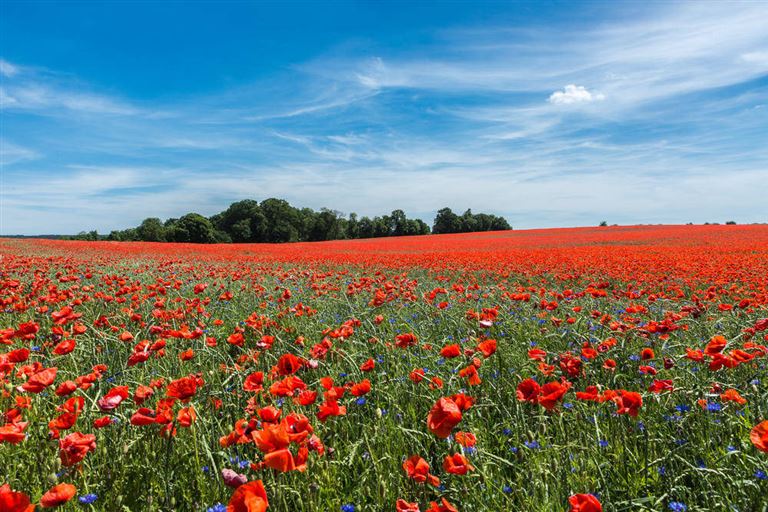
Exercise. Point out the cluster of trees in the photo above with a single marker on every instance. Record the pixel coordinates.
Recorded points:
(448, 222)
(276, 221)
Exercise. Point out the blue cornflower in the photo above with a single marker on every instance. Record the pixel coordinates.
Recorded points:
(677, 506)
(348, 508)
(360, 401)
(714, 407)
(568, 405)
(603, 443)
(532, 445)
(760, 475)
(506, 489)
(87, 499)
(217, 508)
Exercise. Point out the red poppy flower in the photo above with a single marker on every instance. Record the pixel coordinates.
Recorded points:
(40, 380)
(487, 347)
(12, 501)
(102, 422)
(186, 416)
(183, 388)
(470, 373)
(551, 393)
(254, 382)
(406, 340)
(466, 439)
(584, 503)
(659, 386)
(443, 506)
(451, 351)
(731, 395)
(74, 447)
(361, 388)
(58, 495)
(443, 416)
(250, 497)
(13, 433)
(330, 408)
(417, 469)
(64, 347)
(144, 416)
(288, 364)
(271, 438)
(416, 375)
(759, 436)
(113, 398)
(528, 391)
(404, 506)
(457, 464)
(628, 402)
(715, 345)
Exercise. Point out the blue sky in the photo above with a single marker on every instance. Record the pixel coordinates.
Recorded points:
(549, 113)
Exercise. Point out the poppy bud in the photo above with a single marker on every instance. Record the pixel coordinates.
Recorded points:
(52, 479)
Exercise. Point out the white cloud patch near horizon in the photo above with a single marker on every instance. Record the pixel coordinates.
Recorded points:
(572, 93)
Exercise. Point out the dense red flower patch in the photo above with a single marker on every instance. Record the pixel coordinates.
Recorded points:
(601, 368)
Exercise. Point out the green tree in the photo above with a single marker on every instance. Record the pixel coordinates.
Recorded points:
(283, 221)
(151, 230)
(193, 228)
(446, 222)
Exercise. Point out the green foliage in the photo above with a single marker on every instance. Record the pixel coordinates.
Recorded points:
(448, 222)
(193, 228)
(276, 221)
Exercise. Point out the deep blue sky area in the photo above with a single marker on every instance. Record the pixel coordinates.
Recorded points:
(549, 113)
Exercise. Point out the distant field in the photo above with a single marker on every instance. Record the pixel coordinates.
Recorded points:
(540, 370)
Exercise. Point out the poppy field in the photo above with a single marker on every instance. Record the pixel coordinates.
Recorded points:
(585, 369)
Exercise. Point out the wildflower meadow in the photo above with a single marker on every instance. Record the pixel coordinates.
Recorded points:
(587, 369)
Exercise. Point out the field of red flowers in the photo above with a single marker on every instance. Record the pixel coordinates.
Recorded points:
(616, 369)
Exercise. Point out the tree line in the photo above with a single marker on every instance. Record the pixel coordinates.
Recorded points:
(276, 221)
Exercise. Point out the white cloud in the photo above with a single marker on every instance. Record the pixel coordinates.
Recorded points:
(7, 69)
(760, 58)
(574, 94)
(11, 153)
